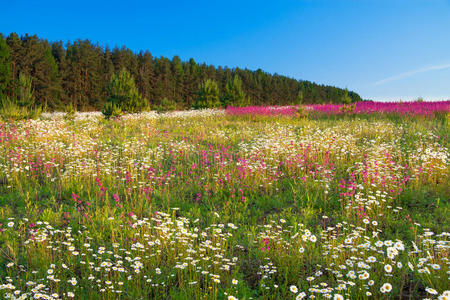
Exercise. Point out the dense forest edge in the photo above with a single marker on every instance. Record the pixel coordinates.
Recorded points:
(78, 75)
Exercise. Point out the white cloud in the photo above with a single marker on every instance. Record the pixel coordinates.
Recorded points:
(411, 73)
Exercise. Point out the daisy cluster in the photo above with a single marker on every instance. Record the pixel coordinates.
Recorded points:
(159, 251)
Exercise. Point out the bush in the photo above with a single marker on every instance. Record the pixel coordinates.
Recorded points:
(70, 112)
(23, 106)
(347, 108)
(111, 110)
(10, 111)
(302, 112)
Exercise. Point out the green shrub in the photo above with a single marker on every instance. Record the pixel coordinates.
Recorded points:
(347, 108)
(70, 112)
(23, 106)
(111, 110)
(302, 112)
(10, 111)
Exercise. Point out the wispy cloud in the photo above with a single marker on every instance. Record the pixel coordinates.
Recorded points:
(411, 73)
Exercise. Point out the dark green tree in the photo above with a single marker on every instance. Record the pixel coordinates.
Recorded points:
(178, 78)
(33, 56)
(166, 105)
(5, 66)
(79, 73)
(207, 95)
(300, 97)
(346, 99)
(23, 105)
(107, 70)
(124, 94)
(60, 55)
(124, 58)
(25, 93)
(85, 81)
(47, 83)
(234, 94)
(145, 78)
(15, 47)
(191, 82)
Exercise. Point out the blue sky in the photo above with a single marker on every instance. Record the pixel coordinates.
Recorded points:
(382, 49)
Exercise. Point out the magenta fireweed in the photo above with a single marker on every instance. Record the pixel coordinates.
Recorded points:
(366, 107)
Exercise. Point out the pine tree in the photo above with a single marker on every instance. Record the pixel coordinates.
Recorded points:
(300, 97)
(107, 71)
(23, 105)
(124, 94)
(25, 93)
(33, 57)
(146, 76)
(60, 55)
(15, 47)
(346, 98)
(47, 85)
(5, 66)
(124, 58)
(178, 76)
(79, 74)
(191, 82)
(16, 52)
(207, 95)
(86, 79)
(234, 94)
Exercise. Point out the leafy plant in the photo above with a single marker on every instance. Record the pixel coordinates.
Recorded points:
(111, 110)
(10, 111)
(70, 112)
(302, 112)
(347, 108)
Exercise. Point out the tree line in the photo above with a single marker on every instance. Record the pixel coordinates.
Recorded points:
(78, 74)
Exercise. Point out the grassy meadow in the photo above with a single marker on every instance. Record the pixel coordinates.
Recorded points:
(209, 205)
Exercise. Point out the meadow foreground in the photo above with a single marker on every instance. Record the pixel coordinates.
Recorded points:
(211, 205)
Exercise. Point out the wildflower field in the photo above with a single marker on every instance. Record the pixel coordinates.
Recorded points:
(226, 204)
